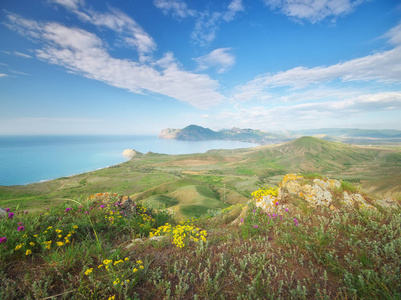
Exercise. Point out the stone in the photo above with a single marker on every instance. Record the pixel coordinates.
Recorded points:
(3, 213)
(130, 153)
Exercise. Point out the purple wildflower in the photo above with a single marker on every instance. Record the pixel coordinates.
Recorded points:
(80, 206)
(11, 215)
(286, 209)
(253, 210)
(276, 203)
(20, 224)
(102, 206)
(91, 207)
(256, 226)
(68, 209)
(21, 228)
(117, 203)
(87, 212)
(3, 239)
(26, 212)
(242, 220)
(7, 209)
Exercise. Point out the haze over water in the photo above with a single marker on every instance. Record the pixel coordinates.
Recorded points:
(29, 159)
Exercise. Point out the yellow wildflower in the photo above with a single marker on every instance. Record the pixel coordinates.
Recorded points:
(88, 271)
(28, 252)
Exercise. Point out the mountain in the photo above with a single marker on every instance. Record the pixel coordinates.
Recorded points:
(199, 133)
(190, 133)
(345, 135)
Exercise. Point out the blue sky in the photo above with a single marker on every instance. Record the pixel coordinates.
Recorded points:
(137, 67)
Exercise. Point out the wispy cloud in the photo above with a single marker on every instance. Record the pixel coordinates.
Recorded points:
(69, 4)
(22, 54)
(3, 75)
(208, 22)
(307, 115)
(383, 67)
(19, 73)
(314, 10)
(85, 54)
(129, 30)
(178, 8)
(233, 8)
(16, 53)
(221, 59)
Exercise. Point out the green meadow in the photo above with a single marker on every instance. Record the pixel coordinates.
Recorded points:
(191, 184)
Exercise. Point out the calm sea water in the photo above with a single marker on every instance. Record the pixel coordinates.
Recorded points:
(29, 159)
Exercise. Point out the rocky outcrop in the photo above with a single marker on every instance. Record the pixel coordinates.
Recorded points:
(130, 153)
(169, 133)
(316, 193)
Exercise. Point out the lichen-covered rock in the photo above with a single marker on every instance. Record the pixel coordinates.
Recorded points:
(352, 200)
(317, 193)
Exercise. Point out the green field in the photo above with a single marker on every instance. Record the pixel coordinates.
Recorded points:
(191, 184)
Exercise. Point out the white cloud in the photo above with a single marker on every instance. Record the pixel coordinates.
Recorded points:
(22, 54)
(233, 8)
(178, 9)
(383, 67)
(84, 53)
(314, 10)
(130, 31)
(309, 115)
(220, 58)
(69, 4)
(3, 75)
(208, 22)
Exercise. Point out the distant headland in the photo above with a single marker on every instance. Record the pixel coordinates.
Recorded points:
(345, 135)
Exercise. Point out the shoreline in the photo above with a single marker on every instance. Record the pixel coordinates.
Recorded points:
(125, 159)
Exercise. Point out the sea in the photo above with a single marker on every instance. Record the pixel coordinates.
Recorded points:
(31, 159)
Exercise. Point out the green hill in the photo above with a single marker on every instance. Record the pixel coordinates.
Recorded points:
(231, 175)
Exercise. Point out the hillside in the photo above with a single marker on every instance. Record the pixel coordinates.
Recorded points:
(310, 237)
(219, 178)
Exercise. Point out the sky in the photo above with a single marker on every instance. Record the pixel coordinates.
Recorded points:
(139, 66)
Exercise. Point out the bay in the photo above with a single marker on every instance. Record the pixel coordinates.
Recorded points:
(30, 159)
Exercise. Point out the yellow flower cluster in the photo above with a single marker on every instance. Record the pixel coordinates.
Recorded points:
(265, 192)
(88, 271)
(181, 233)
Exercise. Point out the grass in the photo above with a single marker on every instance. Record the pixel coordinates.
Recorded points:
(231, 174)
(302, 253)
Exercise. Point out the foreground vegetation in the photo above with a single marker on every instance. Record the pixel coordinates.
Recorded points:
(96, 249)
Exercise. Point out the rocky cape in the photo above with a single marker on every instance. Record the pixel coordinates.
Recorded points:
(199, 133)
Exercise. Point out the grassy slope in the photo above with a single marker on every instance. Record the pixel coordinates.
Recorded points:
(229, 175)
(350, 254)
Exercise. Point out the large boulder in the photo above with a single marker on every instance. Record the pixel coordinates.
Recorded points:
(318, 192)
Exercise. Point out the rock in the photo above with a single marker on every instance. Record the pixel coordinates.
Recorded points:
(130, 153)
(127, 205)
(318, 193)
(3, 213)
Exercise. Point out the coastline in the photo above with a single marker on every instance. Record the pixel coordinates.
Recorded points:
(31, 161)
